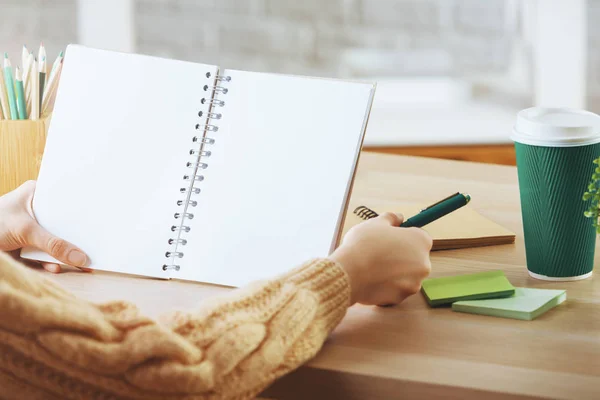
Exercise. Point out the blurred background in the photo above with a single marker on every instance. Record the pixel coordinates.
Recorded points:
(451, 73)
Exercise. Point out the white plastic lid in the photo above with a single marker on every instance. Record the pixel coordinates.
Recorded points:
(556, 127)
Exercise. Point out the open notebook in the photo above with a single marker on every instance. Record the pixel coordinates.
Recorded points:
(181, 170)
(462, 228)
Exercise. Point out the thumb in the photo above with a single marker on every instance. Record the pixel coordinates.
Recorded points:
(56, 247)
(391, 218)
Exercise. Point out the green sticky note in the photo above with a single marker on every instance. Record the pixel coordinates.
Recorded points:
(525, 304)
(482, 285)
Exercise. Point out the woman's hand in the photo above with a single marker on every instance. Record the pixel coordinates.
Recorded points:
(18, 228)
(386, 264)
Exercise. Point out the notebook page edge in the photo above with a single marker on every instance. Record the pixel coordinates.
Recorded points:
(342, 218)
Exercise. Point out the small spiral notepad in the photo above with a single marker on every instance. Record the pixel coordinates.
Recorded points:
(459, 229)
(182, 170)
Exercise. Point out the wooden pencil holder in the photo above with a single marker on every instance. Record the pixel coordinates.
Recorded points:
(21, 148)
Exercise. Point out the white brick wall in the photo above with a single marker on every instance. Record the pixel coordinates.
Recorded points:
(327, 37)
(321, 37)
(29, 21)
(407, 15)
(309, 11)
(480, 17)
(593, 73)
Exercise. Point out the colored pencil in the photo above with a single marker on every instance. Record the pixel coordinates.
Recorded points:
(10, 88)
(27, 68)
(42, 52)
(24, 56)
(42, 82)
(35, 92)
(57, 62)
(51, 88)
(30, 90)
(52, 98)
(21, 105)
(27, 81)
(3, 97)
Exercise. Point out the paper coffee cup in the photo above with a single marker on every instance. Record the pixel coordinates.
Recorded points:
(555, 151)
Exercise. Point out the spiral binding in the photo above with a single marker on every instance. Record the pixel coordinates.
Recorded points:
(365, 212)
(197, 164)
(213, 102)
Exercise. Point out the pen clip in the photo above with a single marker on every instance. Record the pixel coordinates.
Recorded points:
(441, 201)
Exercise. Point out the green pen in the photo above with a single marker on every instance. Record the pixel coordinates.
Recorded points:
(437, 210)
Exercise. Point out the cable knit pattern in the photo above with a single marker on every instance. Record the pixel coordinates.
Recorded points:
(56, 346)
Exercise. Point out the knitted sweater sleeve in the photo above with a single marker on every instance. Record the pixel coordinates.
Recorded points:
(53, 345)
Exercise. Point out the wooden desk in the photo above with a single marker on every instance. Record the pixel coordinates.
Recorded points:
(413, 351)
(503, 154)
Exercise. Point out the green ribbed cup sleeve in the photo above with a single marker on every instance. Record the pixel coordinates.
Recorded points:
(559, 240)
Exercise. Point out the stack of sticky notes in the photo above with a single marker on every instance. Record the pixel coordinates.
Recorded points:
(482, 285)
(490, 293)
(525, 304)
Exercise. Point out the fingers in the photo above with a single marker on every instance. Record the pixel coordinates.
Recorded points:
(25, 191)
(51, 267)
(391, 296)
(423, 237)
(395, 291)
(58, 248)
(55, 268)
(427, 239)
(391, 218)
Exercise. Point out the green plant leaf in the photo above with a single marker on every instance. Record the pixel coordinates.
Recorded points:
(593, 194)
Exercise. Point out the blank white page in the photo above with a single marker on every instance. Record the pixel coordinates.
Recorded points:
(116, 153)
(278, 177)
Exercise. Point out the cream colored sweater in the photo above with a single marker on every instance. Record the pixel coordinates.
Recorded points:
(56, 346)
